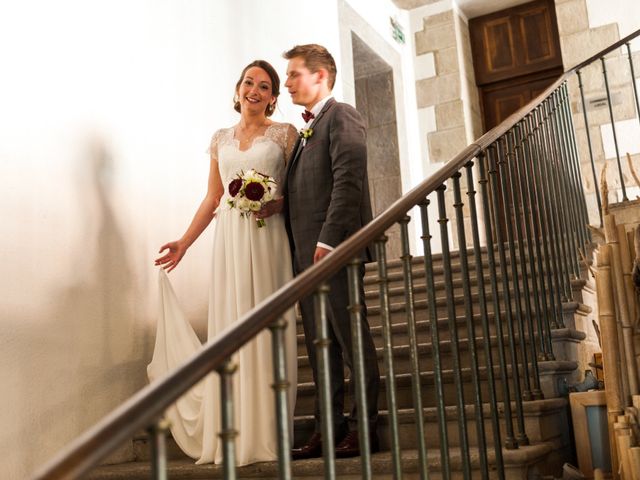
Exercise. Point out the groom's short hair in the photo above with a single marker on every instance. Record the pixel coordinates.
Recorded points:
(315, 57)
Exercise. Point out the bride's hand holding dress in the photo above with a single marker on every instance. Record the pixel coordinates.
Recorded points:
(172, 258)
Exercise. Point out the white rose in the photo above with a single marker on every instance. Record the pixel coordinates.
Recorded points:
(242, 203)
(255, 206)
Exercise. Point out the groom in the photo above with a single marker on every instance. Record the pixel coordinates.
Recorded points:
(326, 200)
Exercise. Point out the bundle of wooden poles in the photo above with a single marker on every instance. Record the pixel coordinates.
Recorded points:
(618, 267)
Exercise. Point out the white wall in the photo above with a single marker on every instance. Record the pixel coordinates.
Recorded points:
(106, 112)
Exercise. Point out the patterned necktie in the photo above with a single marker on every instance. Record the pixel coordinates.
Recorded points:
(307, 115)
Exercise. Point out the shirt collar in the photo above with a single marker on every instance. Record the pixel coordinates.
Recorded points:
(317, 108)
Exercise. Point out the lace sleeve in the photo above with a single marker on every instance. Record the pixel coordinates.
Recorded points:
(290, 139)
(213, 146)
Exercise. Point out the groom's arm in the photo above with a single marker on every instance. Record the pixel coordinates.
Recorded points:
(348, 152)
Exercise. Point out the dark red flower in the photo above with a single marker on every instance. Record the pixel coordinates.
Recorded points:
(254, 191)
(234, 187)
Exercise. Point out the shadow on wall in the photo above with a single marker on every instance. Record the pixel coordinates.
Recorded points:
(92, 350)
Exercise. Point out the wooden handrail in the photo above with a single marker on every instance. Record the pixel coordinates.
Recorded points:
(147, 405)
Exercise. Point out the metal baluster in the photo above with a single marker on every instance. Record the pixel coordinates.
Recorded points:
(280, 388)
(565, 220)
(435, 341)
(570, 188)
(453, 331)
(158, 445)
(413, 346)
(533, 241)
(551, 248)
(228, 433)
(633, 79)
(565, 189)
(613, 128)
(526, 319)
(554, 211)
(355, 308)
(383, 283)
(546, 353)
(484, 319)
(510, 442)
(521, 437)
(588, 132)
(322, 343)
(576, 167)
(504, 168)
(531, 273)
(471, 334)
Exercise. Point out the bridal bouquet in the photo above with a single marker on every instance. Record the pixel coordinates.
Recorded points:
(249, 192)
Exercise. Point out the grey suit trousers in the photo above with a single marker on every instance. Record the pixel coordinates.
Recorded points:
(341, 353)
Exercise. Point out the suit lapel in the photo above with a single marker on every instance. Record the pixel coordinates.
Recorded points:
(294, 156)
(299, 147)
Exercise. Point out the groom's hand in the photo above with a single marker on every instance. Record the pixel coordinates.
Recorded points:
(320, 253)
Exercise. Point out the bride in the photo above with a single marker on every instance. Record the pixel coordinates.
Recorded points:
(249, 263)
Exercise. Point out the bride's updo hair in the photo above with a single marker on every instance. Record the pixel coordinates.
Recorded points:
(275, 85)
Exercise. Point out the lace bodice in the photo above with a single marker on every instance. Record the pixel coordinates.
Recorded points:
(267, 154)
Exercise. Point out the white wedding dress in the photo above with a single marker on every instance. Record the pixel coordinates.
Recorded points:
(249, 264)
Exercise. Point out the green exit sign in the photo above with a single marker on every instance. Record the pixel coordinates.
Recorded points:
(396, 31)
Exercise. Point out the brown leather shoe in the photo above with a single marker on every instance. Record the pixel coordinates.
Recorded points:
(312, 449)
(350, 445)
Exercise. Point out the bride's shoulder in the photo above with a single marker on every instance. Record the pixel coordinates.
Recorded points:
(281, 132)
(221, 134)
(218, 138)
(283, 126)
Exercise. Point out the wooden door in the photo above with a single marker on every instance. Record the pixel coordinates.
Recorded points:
(516, 56)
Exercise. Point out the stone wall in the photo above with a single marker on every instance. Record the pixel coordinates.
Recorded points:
(442, 90)
(447, 95)
(375, 101)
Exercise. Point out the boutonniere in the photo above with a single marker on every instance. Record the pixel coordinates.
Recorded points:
(305, 134)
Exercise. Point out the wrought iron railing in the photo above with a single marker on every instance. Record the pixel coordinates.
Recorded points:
(531, 210)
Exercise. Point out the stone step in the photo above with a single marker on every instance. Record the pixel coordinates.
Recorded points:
(544, 421)
(521, 463)
(400, 334)
(395, 265)
(396, 279)
(552, 376)
(397, 289)
(402, 352)
(398, 310)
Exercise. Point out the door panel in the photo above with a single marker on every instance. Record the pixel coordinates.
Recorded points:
(502, 99)
(515, 42)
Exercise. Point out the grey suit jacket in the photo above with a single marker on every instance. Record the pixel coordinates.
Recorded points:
(326, 188)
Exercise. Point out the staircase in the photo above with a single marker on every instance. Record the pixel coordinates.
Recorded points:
(546, 421)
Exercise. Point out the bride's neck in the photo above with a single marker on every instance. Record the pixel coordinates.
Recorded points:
(251, 122)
